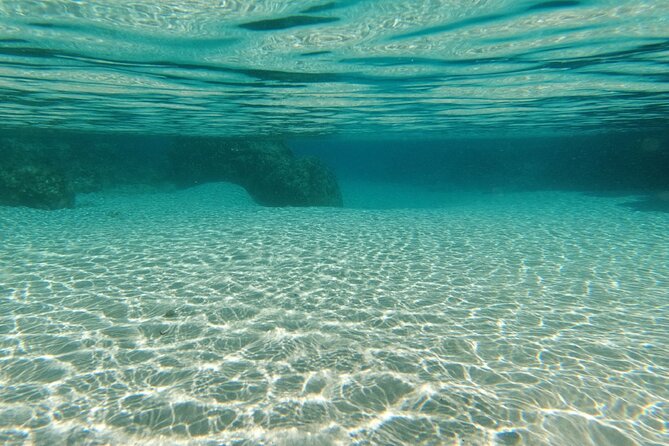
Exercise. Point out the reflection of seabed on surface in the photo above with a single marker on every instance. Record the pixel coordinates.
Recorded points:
(423, 67)
(527, 319)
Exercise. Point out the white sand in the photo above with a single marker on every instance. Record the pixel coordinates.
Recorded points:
(196, 316)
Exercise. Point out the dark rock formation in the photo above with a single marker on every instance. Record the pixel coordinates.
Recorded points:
(266, 169)
(46, 170)
(35, 186)
(92, 165)
(29, 178)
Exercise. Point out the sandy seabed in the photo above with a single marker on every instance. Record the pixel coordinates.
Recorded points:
(196, 317)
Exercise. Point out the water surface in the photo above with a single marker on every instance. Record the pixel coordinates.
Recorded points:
(316, 67)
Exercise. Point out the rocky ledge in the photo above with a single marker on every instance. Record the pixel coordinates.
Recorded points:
(31, 177)
(266, 169)
(46, 173)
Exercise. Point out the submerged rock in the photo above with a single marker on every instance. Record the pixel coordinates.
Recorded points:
(268, 170)
(46, 171)
(35, 186)
(27, 178)
(94, 165)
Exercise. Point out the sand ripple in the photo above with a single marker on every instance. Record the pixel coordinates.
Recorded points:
(527, 319)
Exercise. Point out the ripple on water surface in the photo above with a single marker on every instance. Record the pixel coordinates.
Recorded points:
(276, 67)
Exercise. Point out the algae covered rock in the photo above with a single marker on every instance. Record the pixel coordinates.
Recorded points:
(45, 171)
(35, 186)
(94, 165)
(268, 170)
(29, 178)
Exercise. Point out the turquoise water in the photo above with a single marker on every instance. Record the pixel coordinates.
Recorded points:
(197, 317)
(318, 67)
(497, 275)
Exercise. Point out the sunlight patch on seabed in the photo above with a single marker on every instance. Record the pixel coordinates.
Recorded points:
(507, 321)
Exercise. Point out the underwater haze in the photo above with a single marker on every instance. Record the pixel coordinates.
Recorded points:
(346, 222)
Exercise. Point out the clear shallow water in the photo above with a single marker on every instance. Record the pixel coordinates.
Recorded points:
(409, 317)
(166, 318)
(438, 67)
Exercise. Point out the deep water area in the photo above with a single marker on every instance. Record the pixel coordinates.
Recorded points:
(334, 223)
